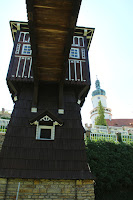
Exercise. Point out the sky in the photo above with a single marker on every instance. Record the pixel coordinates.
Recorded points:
(110, 53)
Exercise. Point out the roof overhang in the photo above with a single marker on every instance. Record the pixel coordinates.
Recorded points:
(51, 25)
(49, 115)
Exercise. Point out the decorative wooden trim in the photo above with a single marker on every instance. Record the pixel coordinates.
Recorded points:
(39, 116)
(40, 127)
(45, 120)
(86, 32)
(17, 26)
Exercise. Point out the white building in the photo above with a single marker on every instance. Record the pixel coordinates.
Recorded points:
(99, 95)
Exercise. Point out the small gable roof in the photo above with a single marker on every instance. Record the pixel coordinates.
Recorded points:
(48, 114)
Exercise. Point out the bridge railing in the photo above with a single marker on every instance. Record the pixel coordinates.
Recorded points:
(126, 138)
(94, 130)
(103, 136)
(116, 137)
(3, 125)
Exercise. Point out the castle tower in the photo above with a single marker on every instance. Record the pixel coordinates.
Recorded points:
(48, 79)
(99, 95)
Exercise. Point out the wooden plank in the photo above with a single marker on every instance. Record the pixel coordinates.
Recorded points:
(12, 87)
(61, 96)
(53, 4)
(35, 95)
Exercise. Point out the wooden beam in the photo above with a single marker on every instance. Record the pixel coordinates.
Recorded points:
(52, 28)
(30, 9)
(35, 97)
(12, 86)
(61, 99)
(82, 94)
(13, 89)
(72, 25)
(63, 28)
(34, 51)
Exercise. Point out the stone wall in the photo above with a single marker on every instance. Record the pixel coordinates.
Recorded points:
(2, 137)
(47, 189)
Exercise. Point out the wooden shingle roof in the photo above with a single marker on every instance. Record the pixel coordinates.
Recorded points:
(22, 156)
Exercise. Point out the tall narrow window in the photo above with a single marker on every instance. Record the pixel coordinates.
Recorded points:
(18, 48)
(83, 53)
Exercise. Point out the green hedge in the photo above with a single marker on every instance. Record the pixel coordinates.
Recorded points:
(112, 165)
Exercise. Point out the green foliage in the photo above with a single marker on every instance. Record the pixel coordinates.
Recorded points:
(2, 130)
(112, 165)
(100, 119)
(5, 117)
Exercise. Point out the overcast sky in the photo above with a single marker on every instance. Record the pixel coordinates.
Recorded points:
(110, 55)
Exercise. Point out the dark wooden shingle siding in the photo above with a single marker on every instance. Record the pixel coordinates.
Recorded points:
(63, 158)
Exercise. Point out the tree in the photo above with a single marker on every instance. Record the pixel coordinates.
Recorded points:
(100, 119)
(111, 163)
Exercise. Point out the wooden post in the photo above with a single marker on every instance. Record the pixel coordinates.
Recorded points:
(35, 97)
(61, 99)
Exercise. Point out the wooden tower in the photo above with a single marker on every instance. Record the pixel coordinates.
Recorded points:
(48, 79)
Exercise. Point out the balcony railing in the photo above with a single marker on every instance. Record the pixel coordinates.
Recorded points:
(94, 130)
(116, 134)
(126, 138)
(3, 125)
(102, 136)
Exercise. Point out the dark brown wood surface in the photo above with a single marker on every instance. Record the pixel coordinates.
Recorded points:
(51, 25)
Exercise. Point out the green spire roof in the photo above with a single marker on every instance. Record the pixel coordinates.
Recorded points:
(98, 90)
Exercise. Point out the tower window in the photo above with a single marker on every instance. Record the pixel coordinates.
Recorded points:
(45, 132)
(26, 49)
(74, 53)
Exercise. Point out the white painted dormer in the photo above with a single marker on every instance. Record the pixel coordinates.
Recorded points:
(45, 125)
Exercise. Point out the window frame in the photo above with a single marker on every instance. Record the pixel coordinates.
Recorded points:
(40, 127)
(78, 54)
(26, 50)
(78, 45)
